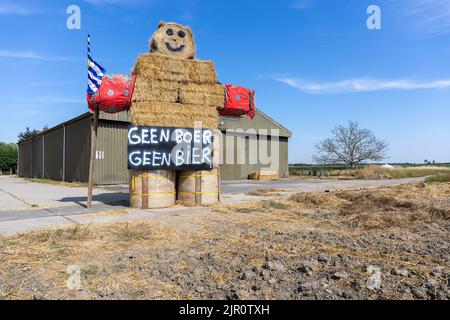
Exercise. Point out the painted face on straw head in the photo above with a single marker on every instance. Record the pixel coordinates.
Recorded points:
(173, 39)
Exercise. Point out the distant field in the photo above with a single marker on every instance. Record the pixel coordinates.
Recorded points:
(376, 172)
(439, 172)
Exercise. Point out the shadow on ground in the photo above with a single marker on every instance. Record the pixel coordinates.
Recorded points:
(118, 199)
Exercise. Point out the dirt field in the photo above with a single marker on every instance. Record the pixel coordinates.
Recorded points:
(388, 243)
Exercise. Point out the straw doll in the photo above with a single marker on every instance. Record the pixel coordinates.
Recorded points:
(173, 89)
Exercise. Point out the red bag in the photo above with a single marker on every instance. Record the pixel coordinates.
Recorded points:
(114, 94)
(239, 101)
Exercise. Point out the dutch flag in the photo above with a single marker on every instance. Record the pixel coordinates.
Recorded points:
(95, 72)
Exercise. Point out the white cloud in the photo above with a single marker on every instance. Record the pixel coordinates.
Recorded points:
(300, 4)
(31, 112)
(58, 99)
(361, 85)
(51, 84)
(10, 8)
(46, 100)
(106, 2)
(427, 17)
(31, 55)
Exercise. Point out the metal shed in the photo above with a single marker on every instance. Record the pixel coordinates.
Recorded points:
(62, 152)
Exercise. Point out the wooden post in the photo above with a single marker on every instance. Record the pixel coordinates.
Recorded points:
(219, 198)
(198, 188)
(94, 130)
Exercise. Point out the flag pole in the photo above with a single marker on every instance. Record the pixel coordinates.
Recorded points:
(94, 130)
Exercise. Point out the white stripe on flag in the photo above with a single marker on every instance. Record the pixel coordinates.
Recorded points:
(92, 86)
(94, 66)
(92, 77)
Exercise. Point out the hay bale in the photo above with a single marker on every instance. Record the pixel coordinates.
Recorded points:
(178, 92)
(211, 88)
(198, 188)
(263, 175)
(144, 83)
(205, 99)
(166, 114)
(173, 39)
(253, 175)
(158, 67)
(268, 175)
(175, 93)
(152, 189)
(145, 92)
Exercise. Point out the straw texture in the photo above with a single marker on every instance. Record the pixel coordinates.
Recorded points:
(171, 92)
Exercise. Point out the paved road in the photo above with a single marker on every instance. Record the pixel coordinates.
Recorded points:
(309, 185)
(28, 205)
(20, 194)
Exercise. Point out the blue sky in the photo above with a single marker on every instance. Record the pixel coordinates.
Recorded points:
(313, 63)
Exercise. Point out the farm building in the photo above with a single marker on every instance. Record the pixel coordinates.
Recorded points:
(63, 152)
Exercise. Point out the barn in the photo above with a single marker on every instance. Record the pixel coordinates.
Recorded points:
(62, 152)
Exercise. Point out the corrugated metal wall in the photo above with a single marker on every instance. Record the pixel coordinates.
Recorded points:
(260, 121)
(38, 148)
(25, 159)
(111, 159)
(123, 116)
(78, 144)
(241, 171)
(54, 142)
(284, 157)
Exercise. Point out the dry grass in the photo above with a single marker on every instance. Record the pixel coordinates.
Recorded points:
(377, 172)
(119, 260)
(59, 183)
(383, 208)
(316, 200)
(107, 213)
(265, 192)
(36, 263)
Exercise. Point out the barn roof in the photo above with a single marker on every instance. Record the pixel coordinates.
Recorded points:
(260, 121)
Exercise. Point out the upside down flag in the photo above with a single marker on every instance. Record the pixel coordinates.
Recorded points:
(95, 72)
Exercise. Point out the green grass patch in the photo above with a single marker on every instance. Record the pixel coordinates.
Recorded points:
(269, 204)
(59, 183)
(246, 210)
(439, 177)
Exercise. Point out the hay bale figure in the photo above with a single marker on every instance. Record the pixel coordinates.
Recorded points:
(173, 39)
(174, 90)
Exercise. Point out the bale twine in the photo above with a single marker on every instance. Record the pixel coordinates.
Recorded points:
(198, 188)
(152, 189)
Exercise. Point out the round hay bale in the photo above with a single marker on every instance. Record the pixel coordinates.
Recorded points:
(173, 39)
(198, 188)
(152, 189)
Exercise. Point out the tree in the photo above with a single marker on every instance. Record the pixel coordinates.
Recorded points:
(27, 134)
(350, 145)
(8, 156)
